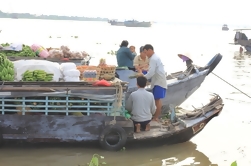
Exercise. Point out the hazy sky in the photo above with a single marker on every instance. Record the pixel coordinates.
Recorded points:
(201, 11)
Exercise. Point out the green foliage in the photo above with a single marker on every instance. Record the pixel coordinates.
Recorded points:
(234, 163)
(49, 17)
(96, 161)
(112, 52)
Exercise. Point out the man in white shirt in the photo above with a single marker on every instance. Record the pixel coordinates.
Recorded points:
(141, 104)
(157, 75)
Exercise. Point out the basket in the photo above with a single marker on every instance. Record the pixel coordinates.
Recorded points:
(107, 72)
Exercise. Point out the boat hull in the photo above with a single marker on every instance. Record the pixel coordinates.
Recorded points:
(57, 128)
(117, 23)
(138, 24)
(225, 29)
(37, 129)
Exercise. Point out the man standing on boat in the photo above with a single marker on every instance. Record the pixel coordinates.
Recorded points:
(157, 75)
(141, 62)
(141, 113)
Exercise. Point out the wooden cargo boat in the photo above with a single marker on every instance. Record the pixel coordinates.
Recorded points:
(66, 112)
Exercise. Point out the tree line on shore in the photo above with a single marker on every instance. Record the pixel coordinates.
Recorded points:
(49, 17)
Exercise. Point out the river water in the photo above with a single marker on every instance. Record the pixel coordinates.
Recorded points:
(224, 140)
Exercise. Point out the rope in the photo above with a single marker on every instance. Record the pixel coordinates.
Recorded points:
(118, 100)
(231, 85)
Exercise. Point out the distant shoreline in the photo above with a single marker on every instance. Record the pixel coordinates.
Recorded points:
(49, 17)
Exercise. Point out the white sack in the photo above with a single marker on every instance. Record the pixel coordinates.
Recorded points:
(68, 66)
(71, 73)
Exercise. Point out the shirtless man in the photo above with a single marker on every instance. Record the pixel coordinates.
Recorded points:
(141, 62)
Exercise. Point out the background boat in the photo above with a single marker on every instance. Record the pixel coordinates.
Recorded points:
(134, 23)
(225, 27)
(116, 23)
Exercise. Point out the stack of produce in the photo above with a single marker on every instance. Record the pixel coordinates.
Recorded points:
(26, 51)
(6, 69)
(65, 52)
(107, 71)
(70, 73)
(37, 75)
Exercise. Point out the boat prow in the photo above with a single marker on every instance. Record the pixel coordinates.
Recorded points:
(188, 124)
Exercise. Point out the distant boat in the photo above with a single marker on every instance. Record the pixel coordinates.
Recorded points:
(134, 23)
(241, 38)
(225, 27)
(116, 23)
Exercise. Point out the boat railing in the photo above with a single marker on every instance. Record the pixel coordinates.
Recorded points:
(64, 104)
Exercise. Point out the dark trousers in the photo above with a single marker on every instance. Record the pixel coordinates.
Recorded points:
(142, 124)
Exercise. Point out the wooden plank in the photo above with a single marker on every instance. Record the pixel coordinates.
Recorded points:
(15, 58)
(26, 89)
(29, 88)
(57, 84)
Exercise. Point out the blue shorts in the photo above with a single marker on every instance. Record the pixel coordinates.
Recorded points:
(145, 72)
(159, 92)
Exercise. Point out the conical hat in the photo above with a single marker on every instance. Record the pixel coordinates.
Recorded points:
(187, 54)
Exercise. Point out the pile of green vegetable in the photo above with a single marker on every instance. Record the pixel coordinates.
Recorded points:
(26, 51)
(37, 75)
(6, 69)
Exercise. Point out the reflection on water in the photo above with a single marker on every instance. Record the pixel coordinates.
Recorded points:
(180, 154)
(225, 139)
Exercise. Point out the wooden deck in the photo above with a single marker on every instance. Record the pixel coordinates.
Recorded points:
(49, 86)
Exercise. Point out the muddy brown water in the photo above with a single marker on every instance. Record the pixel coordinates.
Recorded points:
(224, 140)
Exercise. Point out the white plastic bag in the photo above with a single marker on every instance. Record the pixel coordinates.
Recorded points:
(68, 66)
(72, 73)
(14, 47)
